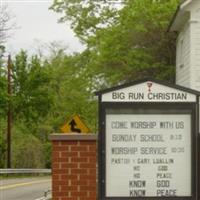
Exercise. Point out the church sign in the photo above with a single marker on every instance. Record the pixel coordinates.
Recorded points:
(148, 141)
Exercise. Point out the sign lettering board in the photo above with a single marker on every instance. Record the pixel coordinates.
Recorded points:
(148, 92)
(147, 141)
(152, 149)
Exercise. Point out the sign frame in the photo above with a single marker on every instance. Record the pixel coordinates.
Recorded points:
(163, 107)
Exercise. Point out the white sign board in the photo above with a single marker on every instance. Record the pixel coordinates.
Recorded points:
(148, 92)
(148, 155)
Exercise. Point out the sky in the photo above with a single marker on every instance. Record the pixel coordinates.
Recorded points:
(37, 26)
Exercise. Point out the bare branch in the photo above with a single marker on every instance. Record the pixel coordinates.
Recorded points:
(7, 23)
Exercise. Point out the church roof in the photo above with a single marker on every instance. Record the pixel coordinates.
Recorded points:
(164, 83)
(180, 16)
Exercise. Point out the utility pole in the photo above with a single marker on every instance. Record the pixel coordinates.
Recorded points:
(9, 113)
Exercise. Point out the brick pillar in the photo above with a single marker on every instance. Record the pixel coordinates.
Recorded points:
(74, 160)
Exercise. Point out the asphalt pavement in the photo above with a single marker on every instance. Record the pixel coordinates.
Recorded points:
(24, 188)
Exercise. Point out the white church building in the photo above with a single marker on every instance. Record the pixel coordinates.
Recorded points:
(186, 23)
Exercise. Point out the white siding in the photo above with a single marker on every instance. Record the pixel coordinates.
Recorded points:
(195, 55)
(189, 74)
(188, 50)
(183, 57)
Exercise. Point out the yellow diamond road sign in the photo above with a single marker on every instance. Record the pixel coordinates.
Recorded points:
(75, 125)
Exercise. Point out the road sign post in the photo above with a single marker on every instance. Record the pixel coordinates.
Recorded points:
(148, 142)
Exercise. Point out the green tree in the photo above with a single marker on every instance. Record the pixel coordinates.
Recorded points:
(27, 150)
(71, 90)
(46, 92)
(6, 25)
(87, 16)
(31, 102)
(31, 93)
(3, 111)
(131, 43)
(3, 89)
(2, 142)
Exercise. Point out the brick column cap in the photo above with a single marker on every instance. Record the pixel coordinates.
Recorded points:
(72, 136)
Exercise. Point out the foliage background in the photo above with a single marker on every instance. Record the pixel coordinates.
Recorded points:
(124, 42)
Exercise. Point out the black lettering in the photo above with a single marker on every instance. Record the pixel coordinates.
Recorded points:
(118, 95)
(124, 150)
(166, 125)
(179, 125)
(143, 125)
(137, 193)
(167, 96)
(137, 184)
(136, 96)
(164, 175)
(137, 175)
(123, 138)
(153, 150)
(119, 125)
(136, 168)
(163, 183)
(162, 168)
(166, 193)
(151, 138)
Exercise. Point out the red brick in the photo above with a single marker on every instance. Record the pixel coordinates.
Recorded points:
(69, 177)
(68, 188)
(88, 188)
(92, 194)
(55, 176)
(62, 182)
(87, 154)
(60, 171)
(74, 170)
(56, 154)
(92, 171)
(87, 177)
(88, 165)
(69, 154)
(79, 182)
(78, 171)
(69, 143)
(69, 165)
(60, 194)
(79, 193)
(55, 165)
(87, 142)
(93, 148)
(55, 187)
(56, 198)
(79, 148)
(93, 159)
(61, 159)
(61, 148)
(56, 143)
(79, 160)
(93, 182)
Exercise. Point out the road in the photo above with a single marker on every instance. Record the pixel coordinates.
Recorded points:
(24, 188)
